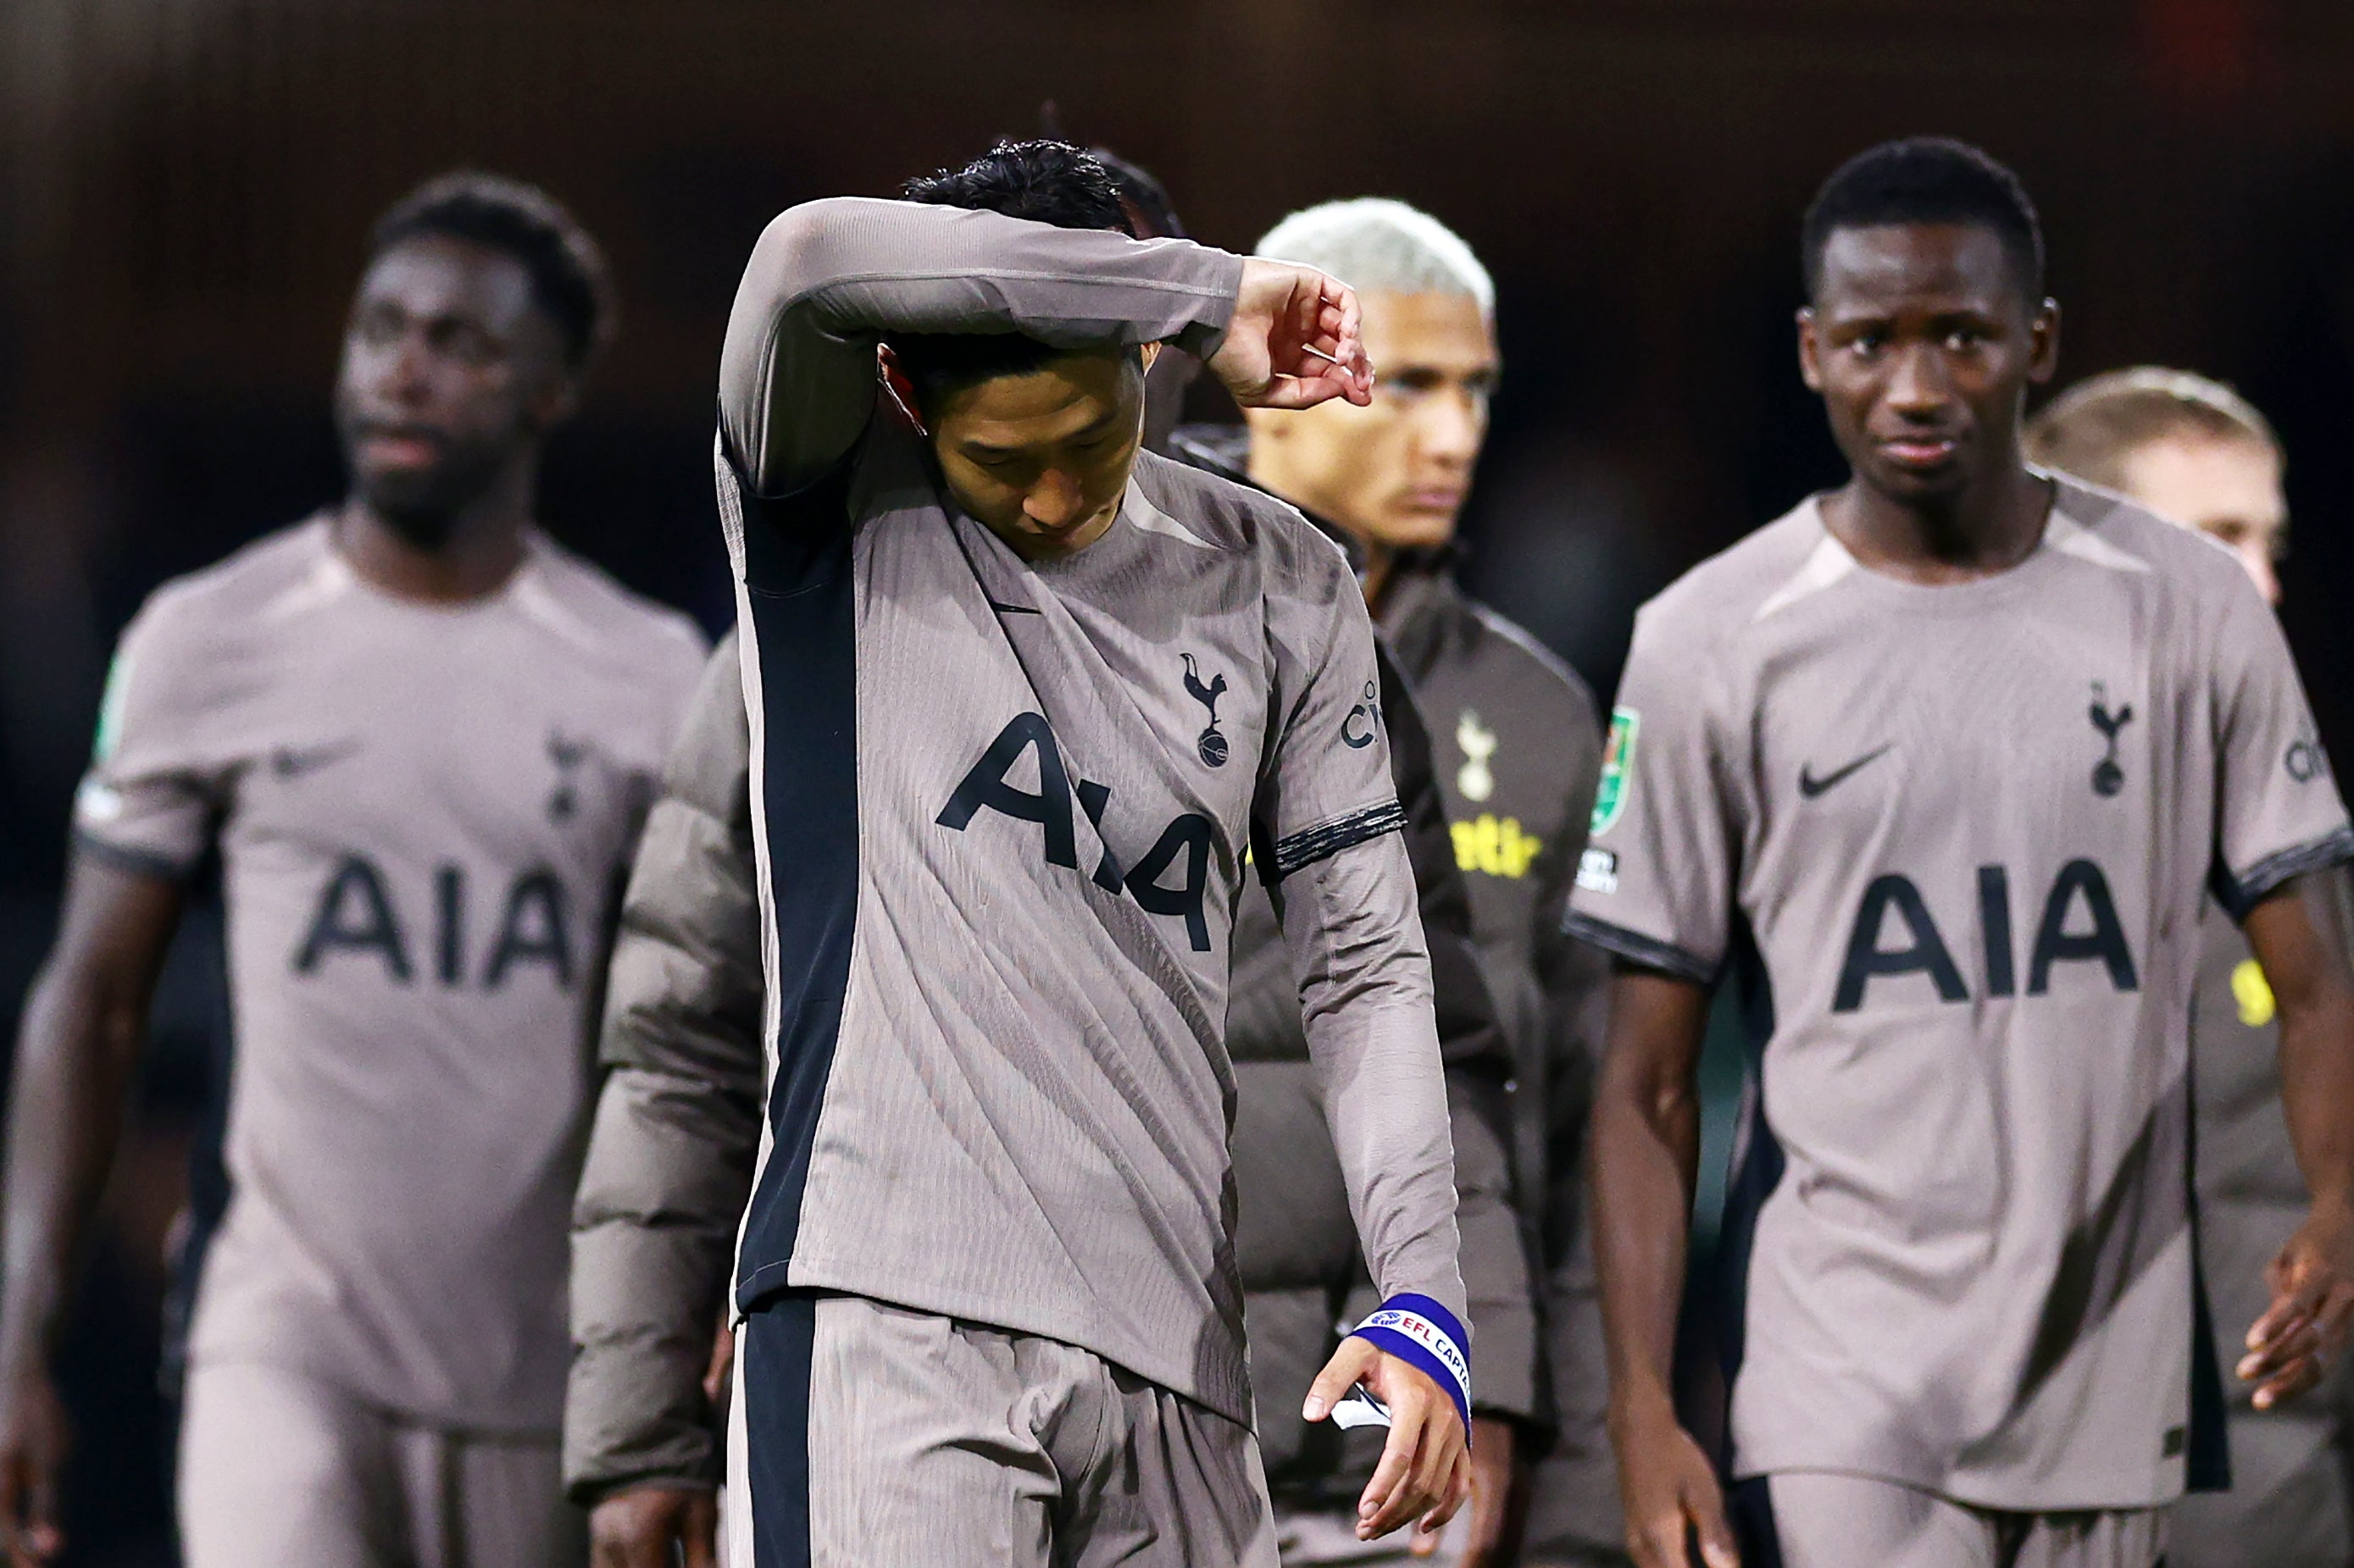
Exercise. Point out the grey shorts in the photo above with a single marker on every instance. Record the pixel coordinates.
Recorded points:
(865, 1435)
(1810, 1518)
(279, 1468)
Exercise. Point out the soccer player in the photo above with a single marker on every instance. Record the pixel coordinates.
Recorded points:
(1020, 699)
(2196, 452)
(421, 736)
(656, 1211)
(1518, 746)
(1941, 764)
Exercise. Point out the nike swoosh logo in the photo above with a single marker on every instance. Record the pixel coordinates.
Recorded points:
(288, 763)
(1014, 609)
(1809, 786)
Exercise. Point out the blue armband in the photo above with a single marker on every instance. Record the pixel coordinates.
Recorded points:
(1426, 1337)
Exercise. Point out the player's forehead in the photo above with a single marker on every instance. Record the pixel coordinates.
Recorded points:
(1427, 328)
(2200, 478)
(1887, 270)
(1064, 399)
(441, 277)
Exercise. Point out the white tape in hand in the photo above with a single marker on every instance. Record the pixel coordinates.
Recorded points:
(1359, 1407)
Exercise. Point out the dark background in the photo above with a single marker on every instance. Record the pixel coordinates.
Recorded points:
(185, 185)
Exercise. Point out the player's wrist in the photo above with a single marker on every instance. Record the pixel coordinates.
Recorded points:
(2333, 1206)
(1425, 1334)
(1640, 1408)
(23, 1351)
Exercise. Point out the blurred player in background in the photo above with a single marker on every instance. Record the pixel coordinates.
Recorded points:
(1940, 765)
(998, 1322)
(1516, 745)
(422, 737)
(2196, 452)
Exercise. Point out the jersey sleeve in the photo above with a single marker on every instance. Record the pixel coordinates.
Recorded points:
(1357, 946)
(828, 279)
(152, 798)
(1325, 785)
(2278, 813)
(1654, 886)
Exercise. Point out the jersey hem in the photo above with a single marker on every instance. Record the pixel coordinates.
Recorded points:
(2103, 1495)
(821, 1275)
(439, 1417)
(1637, 948)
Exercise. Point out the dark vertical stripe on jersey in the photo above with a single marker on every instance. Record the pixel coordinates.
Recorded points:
(1761, 1165)
(798, 575)
(1754, 1530)
(2207, 1461)
(779, 1341)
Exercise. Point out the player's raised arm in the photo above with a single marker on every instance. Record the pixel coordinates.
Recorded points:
(830, 279)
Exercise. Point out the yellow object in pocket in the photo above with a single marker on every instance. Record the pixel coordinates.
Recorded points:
(2254, 993)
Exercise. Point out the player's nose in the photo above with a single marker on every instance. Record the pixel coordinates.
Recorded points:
(1055, 501)
(1451, 429)
(397, 372)
(1917, 381)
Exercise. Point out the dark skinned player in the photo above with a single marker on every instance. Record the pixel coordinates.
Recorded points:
(421, 736)
(1939, 765)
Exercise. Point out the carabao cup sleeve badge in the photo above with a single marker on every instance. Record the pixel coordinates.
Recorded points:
(1617, 770)
(1427, 1336)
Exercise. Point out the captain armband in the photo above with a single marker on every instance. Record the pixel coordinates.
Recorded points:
(1427, 1336)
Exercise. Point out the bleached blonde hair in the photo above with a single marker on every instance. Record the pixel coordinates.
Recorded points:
(1373, 243)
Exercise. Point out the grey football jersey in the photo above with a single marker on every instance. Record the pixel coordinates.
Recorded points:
(1004, 810)
(1965, 830)
(421, 812)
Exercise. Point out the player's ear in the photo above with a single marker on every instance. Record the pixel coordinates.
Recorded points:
(554, 397)
(2043, 343)
(1810, 365)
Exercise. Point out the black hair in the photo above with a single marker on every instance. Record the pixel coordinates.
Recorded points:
(1150, 214)
(1926, 179)
(568, 278)
(1042, 181)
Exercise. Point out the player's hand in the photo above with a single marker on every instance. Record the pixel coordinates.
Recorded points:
(655, 1526)
(1495, 1493)
(32, 1439)
(2312, 1282)
(1293, 342)
(1425, 1468)
(1670, 1494)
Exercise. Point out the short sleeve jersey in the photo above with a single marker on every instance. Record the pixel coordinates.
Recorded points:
(1966, 833)
(1007, 809)
(421, 812)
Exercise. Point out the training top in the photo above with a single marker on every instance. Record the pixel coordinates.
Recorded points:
(1965, 833)
(422, 811)
(1003, 813)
